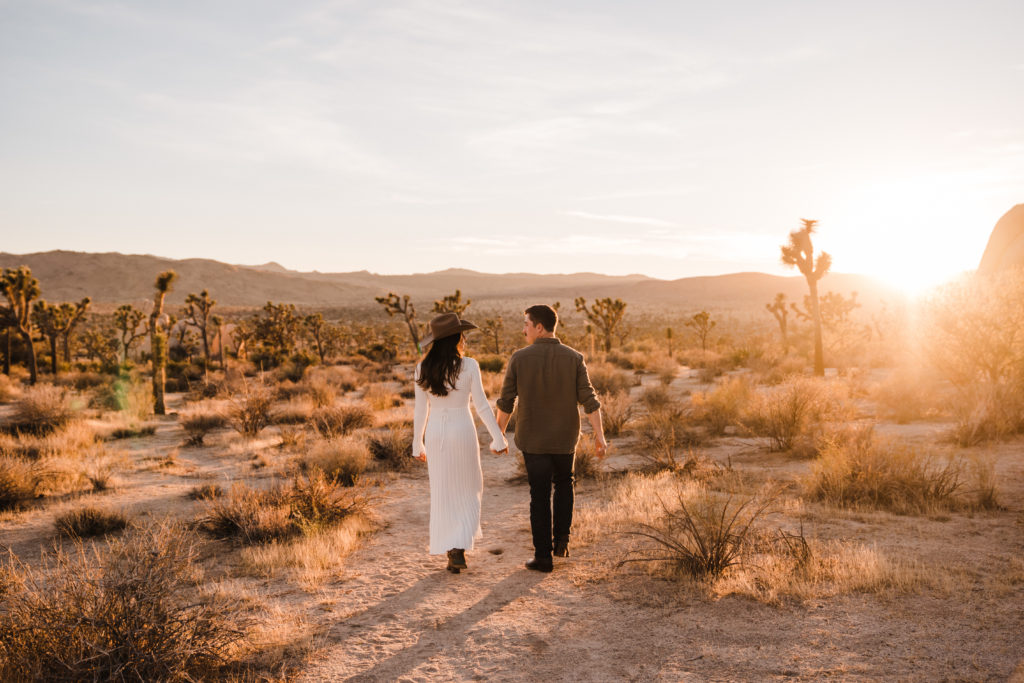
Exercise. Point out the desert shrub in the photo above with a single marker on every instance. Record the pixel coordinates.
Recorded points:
(343, 377)
(665, 368)
(249, 413)
(874, 473)
(292, 413)
(135, 614)
(203, 388)
(320, 391)
(127, 393)
(616, 410)
(701, 537)
(907, 395)
(81, 380)
(10, 389)
(333, 421)
(74, 439)
(306, 505)
(988, 411)
(205, 492)
(782, 370)
(392, 449)
(132, 432)
(984, 494)
(19, 482)
(198, 423)
(292, 436)
(42, 409)
(89, 521)
(664, 438)
(607, 380)
(620, 360)
(491, 363)
(656, 398)
(793, 411)
(722, 406)
(380, 396)
(586, 464)
(341, 460)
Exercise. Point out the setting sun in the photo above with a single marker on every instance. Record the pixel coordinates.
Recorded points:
(912, 233)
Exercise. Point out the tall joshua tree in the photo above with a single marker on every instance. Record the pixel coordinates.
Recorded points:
(218, 325)
(394, 304)
(158, 339)
(605, 314)
(21, 288)
(778, 309)
(799, 252)
(56, 321)
(316, 326)
(493, 328)
(702, 325)
(197, 314)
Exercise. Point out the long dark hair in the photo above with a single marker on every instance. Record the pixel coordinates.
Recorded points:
(440, 367)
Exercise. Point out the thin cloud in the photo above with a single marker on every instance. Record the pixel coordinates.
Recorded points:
(613, 218)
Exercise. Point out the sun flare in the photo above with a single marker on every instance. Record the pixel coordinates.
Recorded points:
(912, 233)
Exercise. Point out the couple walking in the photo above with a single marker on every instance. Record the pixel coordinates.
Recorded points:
(548, 379)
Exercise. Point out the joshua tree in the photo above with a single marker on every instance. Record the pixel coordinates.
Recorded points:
(127, 320)
(100, 345)
(278, 330)
(242, 334)
(55, 321)
(158, 339)
(21, 288)
(493, 328)
(393, 304)
(668, 336)
(702, 324)
(778, 309)
(799, 252)
(605, 314)
(317, 329)
(452, 303)
(197, 314)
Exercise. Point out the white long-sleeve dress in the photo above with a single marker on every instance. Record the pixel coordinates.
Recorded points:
(443, 427)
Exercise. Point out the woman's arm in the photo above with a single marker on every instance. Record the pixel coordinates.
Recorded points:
(483, 409)
(419, 419)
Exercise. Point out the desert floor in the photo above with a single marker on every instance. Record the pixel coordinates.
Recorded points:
(389, 611)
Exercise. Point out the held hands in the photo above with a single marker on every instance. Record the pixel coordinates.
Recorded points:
(501, 451)
(422, 457)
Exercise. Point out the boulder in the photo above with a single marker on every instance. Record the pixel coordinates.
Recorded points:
(1005, 248)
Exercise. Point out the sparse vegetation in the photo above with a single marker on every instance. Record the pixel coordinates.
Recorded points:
(607, 380)
(19, 482)
(249, 413)
(391, 448)
(616, 411)
(341, 460)
(199, 423)
(135, 614)
(794, 412)
(41, 410)
(341, 420)
(89, 521)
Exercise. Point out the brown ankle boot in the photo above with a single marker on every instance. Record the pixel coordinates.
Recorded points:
(456, 560)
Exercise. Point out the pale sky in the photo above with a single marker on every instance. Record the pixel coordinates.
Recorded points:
(667, 138)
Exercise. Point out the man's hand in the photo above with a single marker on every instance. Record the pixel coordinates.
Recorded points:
(600, 446)
(422, 457)
(503, 451)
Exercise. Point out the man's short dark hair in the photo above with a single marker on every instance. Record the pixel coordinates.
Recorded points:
(544, 315)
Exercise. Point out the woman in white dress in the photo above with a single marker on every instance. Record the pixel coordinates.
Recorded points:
(445, 436)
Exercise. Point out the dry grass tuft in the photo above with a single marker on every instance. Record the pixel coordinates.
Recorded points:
(380, 396)
(616, 411)
(206, 492)
(341, 460)
(10, 389)
(130, 613)
(249, 413)
(665, 438)
(796, 412)
(657, 398)
(334, 421)
(723, 406)
(294, 412)
(41, 410)
(305, 506)
(199, 423)
(608, 380)
(883, 474)
(392, 449)
(20, 482)
(89, 521)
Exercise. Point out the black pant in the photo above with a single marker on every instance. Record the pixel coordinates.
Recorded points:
(541, 471)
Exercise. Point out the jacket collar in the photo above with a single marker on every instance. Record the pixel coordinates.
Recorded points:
(546, 340)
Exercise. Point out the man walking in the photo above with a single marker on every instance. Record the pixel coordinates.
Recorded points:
(549, 379)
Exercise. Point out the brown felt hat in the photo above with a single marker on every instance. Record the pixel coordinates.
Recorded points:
(445, 325)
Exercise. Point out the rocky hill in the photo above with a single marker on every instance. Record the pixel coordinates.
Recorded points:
(113, 278)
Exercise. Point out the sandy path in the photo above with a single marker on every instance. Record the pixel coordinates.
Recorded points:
(400, 616)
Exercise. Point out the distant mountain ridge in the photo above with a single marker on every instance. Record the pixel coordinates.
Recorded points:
(114, 278)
